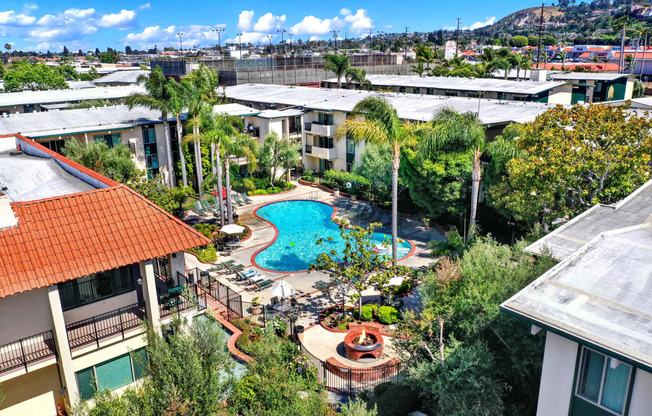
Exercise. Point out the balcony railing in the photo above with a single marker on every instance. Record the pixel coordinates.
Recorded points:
(191, 297)
(26, 351)
(106, 325)
(308, 149)
(326, 130)
(324, 153)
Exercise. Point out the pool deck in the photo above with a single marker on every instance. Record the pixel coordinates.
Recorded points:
(310, 300)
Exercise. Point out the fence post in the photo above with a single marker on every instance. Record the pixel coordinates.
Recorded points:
(122, 328)
(22, 351)
(350, 384)
(97, 338)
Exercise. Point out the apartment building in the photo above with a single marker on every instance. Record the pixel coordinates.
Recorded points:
(324, 109)
(83, 261)
(37, 101)
(595, 308)
(543, 91)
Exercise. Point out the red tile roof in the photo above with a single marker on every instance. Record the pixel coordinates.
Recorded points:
(70, 236)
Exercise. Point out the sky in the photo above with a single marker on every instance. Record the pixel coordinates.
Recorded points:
(49, 25)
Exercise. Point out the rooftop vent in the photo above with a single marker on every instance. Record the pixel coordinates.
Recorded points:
(7, 217)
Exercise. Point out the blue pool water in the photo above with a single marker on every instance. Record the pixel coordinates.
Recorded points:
(299, 224)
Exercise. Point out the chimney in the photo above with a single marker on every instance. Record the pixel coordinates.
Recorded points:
(7, 217)
(538, 74)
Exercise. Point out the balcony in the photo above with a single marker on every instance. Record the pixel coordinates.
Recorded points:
(322, 129)
(25, 351)
(308, 149)
(323, 153)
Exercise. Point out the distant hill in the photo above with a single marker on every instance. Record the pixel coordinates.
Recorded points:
(527, 17)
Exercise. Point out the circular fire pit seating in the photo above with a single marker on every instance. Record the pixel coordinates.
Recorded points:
(355, 351)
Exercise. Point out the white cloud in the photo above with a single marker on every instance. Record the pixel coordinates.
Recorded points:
(151, 35)
(478, 25)
(30, 6)
(79, 13)
(345, 11)
(126, 19)
(388, 27)
(317, 26)
(244, 19)
(268, 23)
(193, 35)
(145, 6)
(314, 38)
(360, 21)
(10, 18)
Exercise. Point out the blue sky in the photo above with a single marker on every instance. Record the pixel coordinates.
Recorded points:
(145, 23)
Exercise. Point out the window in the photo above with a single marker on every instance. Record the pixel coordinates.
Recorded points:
(54, 145)
(28, 108)
(350, 146)
(112, 374)
(603, 381)
(89, 289)
(151, 151)
(110, 140)
(401, 89)
(416, 90)
(500, 96)
(430, 91)
(451, 94)
(325, 119)
(325, 142)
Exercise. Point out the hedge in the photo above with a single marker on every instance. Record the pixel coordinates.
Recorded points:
(339, 178)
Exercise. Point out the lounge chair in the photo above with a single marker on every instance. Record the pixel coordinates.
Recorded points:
(201, 210)
(235, 267)
(235, 198)
(209, 207)
(321, 285)
(245, 198)
(264, 284)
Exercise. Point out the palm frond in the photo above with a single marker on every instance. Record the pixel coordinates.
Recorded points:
(361, 131)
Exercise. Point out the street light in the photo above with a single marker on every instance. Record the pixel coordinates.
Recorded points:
(282, 31)
(290, 36)
(219, 40)
(271, 48)
(335, 32)
(240, 42)
(180, 34)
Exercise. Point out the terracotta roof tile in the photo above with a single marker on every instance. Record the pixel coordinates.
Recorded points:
(70, 236)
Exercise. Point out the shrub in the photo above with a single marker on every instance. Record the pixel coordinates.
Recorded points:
(404, 288)
(388, 315)
(396, 399)
(367, 312)
(274, 190)
(206, 254)
(206, 229)
(339, 179)
(248, 185)
(308, 175)
(259, 192)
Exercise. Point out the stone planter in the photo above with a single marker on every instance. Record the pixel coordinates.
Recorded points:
(353, 198)
(256, 310)
(336, 191)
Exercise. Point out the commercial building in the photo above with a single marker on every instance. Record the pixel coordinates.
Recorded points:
(83, 261)
(596, 87)
(36, 101)
(554, 92)
(596, 309)
(323, 109)
(120, 78)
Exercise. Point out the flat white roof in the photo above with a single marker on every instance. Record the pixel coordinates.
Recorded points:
(126, 77)
(11, 99)
(233, 109)
(587, 76)
(462, 84)
(409, 106)
(600, 296)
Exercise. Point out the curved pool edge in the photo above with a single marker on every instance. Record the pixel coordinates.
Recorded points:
(255, 214)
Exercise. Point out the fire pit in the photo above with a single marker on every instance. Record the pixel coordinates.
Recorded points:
(363, 342)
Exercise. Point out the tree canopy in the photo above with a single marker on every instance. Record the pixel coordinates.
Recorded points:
(37, 77)
(278, 153)
(114, 162)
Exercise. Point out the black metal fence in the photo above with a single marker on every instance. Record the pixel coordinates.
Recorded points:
(26, 351)
(105, 325)
(190, 298)
(353, 381)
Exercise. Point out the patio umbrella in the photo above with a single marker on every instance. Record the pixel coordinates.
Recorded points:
(395, 281)
(232, 229)
(214, 193)
(282, 289)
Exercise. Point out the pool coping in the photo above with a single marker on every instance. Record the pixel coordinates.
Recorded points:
(276, 233)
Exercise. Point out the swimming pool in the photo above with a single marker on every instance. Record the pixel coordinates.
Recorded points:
(299, 224)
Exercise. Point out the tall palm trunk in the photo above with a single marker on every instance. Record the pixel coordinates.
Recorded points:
(475, 188)
(227, 178)
(395, 165)
(200, 173)
(638, 44)
(621, 61)
(219, 184)
(643, 61)
(182, 157)
(168, 150)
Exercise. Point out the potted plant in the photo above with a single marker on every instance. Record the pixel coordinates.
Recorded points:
(256, 307)
(336, 191)
(353, 193)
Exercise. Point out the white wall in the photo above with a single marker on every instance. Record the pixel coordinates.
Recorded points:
(561, 95)
(557, 376)
(24, 314)
(641, 401)
(100, 307)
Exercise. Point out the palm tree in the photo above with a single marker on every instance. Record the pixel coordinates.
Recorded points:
(381, 125)
(456, 133)
(157, 96)
(337, 64)
(177, 103)
(418, 69)
(595, 59)
(359, 76)
(239, 145)
(197, 107)
(425, 55)
(562, 55)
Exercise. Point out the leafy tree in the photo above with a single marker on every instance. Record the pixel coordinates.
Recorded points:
(157, 97)
(548, 40)
(381, 124)
(109, 57)
(3, 71)
(170, 199)
(359, 265)
(240, 145)
(278, 153)
(570, 159)
(437, 184)
(418, 69)
(357, 408)
(115, 162)
(68, 72)
(639, 89)
(337, 64)
(518, 41)
(38, 77)
(376, 166)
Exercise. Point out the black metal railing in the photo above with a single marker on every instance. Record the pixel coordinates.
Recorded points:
(106, 325)
(191, 297)
(26, 351)
(308, 149)
(353, 381)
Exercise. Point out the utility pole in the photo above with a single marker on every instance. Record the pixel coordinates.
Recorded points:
(406, 44)
(621, 61)
(371, 43)
(335, 32)
(346, 41)
(271, 47)
(540, 36)
(290, 36)
(219, 40)
(180, 34)
(282, 32)
(457, 36)
(240, 42)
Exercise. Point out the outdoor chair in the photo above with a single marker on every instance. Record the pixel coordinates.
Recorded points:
(201, 210)
(245, 198)
(208, 207)
(215, 204)
(321, 285)
(273, 301)
(264, 284)
(235, 198)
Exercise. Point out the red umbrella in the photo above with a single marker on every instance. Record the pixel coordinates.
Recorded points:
(214, 193)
